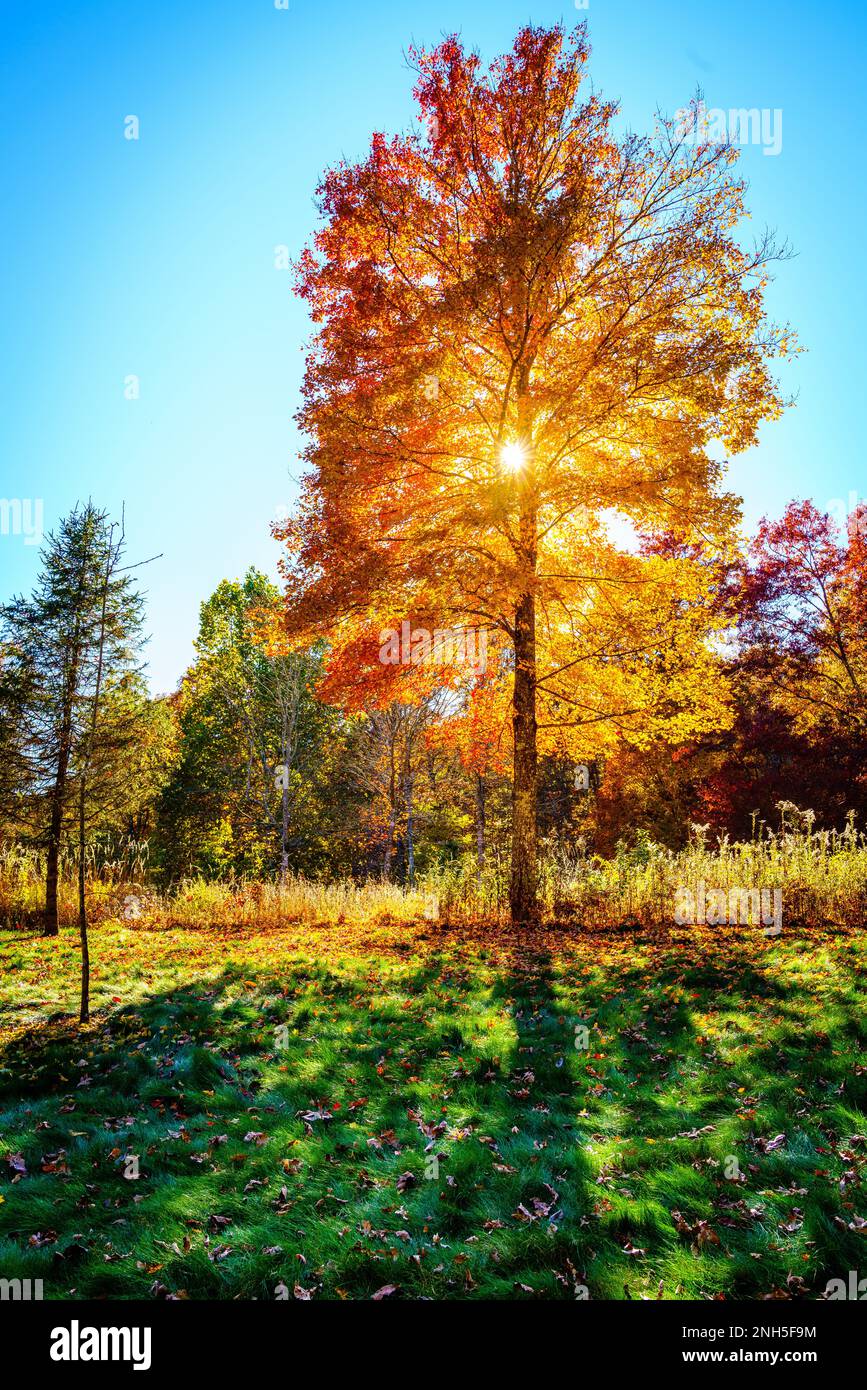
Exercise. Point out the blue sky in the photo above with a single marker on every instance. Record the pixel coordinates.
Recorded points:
(155, 258)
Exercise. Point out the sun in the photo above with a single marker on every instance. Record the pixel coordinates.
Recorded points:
(513, 457)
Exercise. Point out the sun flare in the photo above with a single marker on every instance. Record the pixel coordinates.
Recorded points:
(512, 457)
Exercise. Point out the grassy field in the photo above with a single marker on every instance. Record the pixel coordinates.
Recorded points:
(408, 1111)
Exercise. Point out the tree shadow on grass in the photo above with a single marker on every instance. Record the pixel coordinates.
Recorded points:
(693, 1110)
(422, 1123)
(337, 1129)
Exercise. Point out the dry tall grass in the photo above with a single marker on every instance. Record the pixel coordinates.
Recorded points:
(821, 874)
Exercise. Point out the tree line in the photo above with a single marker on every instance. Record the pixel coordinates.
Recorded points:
(249, 769)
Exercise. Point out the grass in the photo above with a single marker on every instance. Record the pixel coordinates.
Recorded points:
(329, 1112)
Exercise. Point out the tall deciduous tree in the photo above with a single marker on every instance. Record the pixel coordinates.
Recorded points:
(526, 323)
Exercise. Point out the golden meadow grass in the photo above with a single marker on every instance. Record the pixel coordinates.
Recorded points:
(822, 875)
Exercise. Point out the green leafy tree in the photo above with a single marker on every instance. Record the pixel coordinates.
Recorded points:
(258, 754)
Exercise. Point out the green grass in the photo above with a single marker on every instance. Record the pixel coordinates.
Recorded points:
(639, 1167)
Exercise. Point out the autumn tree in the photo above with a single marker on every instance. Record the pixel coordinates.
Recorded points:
(802, 603)
(797, 672)
(527, 324)
(796, 668)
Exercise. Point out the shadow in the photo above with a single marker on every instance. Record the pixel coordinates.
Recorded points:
(429, 1115)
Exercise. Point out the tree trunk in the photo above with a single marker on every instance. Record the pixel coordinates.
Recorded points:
(84, 1007)
(284, 837)
(289, 696)
(388, 849)
(392, 814)
(58, 791)
(523, 888)
(522, 893)
(410, 830)
(55, 829)
(51, 924)
(480, 795)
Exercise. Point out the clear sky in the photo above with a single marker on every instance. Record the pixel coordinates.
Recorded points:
(155, 257)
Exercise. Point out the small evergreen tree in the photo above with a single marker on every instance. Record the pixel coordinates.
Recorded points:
(75, 638)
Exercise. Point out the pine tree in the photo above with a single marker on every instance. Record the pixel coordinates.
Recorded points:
(77, 636)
